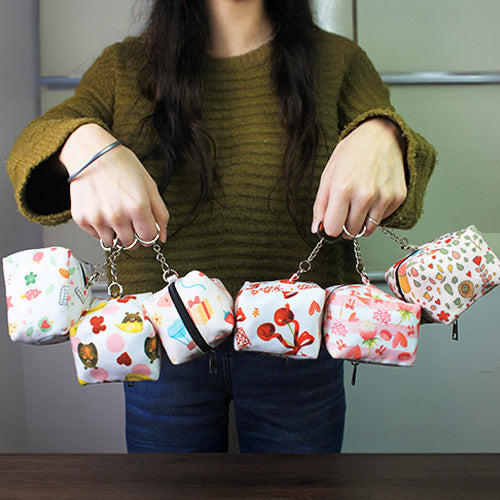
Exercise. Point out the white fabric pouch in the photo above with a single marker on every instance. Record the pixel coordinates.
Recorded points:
(282, 318)
(114, 342)
(192, 315)
(47, 291)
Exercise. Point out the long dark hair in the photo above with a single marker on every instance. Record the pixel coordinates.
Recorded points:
(176, 42)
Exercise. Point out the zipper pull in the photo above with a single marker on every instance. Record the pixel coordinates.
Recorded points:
(454, 334)
(354, 372)
(212, 363)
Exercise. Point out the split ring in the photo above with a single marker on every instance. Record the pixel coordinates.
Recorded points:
(354, 236)
(326, 237)
(153, 241)
(373, 221)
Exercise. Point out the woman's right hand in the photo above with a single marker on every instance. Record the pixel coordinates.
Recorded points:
(114, 196)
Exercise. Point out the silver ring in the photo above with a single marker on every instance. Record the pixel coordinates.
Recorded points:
(354, 236)
(153, 241)
(108, 249)
(373, 221)
(117, 245)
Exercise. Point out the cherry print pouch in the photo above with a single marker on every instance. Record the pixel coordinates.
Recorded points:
(446, 276)
(364, 324)
(282, 318)
(192, 315)
(115, 342)
(47, 291)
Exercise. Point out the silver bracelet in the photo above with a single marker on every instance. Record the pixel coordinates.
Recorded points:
(72, 177)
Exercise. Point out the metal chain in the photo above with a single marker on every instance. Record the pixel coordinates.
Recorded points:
(305, 265)
(403, 242)
(114, 288)
(167, 270)
(360, 265)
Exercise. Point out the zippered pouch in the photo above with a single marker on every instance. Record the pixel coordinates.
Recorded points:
(446, 276)
(47, 291)
(115, 342)
(365, 324)
(282, 318)
(192, 315)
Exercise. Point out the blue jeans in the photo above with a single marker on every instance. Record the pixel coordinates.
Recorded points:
(289, 406)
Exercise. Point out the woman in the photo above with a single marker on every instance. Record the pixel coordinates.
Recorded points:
(251, 126)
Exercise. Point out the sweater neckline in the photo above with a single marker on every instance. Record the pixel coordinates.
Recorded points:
(253, 59)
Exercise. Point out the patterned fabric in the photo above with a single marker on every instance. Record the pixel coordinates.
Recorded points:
(446, 276)
(207, 303)
(114, 342)
(46, 292)
(280, 318)
(363, 323)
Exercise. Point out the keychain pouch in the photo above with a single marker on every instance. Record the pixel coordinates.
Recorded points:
(282, 318)
(46, 290)
(364, 324)
(192, 315)
(115, 342)
(447, 275)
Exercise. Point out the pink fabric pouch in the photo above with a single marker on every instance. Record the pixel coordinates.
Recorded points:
(365, 324)
(192, 315)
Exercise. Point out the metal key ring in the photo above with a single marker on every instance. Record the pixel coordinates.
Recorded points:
(354, 236)
(326, 237)
(117, 245)
(153, 241)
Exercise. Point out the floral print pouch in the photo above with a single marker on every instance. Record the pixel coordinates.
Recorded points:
(447, 275)
(114, 342)
(364, 324)
(47, 291)
(192, 315)
(282, 318)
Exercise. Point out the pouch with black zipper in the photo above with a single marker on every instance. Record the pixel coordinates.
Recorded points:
(191, 315)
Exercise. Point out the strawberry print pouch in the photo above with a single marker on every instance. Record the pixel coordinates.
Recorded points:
(446, 276)
(364, 324)
(192, 315)
(114, 342)
(282, 318)
(47, 291)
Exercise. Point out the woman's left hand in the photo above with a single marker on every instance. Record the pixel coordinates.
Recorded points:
(365, 176)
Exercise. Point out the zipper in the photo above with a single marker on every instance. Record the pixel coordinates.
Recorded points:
(401, 294)
(187, 320)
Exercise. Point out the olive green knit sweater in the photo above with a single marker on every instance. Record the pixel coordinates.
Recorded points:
(247, 234)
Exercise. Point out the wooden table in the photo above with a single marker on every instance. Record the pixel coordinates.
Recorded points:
(207, 476)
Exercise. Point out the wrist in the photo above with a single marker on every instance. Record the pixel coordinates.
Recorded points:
(82, 144)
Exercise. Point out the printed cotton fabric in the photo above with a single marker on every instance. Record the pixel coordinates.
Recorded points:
(46, 290)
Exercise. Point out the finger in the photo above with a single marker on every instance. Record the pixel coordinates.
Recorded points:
(161, 215)
(107, 236)
(320, 205)
(335, 214)
(123, 230)
(376, 214)
(146, 228)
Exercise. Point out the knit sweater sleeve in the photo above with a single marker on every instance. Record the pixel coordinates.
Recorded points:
(42, 192)
(364, 96)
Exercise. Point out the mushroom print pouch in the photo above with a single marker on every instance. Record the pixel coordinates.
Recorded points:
(364, 324)
(114, 341)
(47, 290)
(446, 276)
(282, 318)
